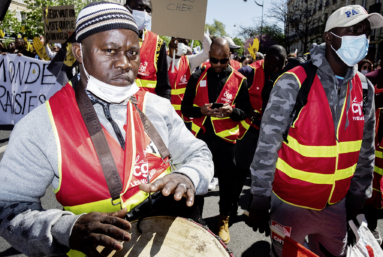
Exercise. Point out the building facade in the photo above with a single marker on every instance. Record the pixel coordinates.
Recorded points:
(317, 12)
(20, 8)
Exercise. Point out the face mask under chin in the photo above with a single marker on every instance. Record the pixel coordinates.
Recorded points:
(107, 92)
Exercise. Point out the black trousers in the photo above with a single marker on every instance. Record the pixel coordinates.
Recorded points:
(224, 169)
(244, 154)
(372, 216)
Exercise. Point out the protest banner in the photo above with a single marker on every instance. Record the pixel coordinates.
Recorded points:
(59, 23)
(25, 83)
(179, 18)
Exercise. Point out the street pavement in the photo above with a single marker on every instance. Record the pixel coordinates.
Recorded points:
(244, 241)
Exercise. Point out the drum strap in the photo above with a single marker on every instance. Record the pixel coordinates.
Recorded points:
(152, 132)
(100, 142)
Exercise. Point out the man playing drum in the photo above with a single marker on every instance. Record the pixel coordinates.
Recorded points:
(94, 143)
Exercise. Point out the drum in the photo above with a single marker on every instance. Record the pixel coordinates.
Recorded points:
(169, 236)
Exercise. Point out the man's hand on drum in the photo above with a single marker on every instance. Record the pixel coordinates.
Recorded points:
(174, 183)
(95, 228)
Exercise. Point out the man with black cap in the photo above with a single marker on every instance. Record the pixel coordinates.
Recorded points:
(233, 63)
(90, 143)
(315, 153)
(153, 72)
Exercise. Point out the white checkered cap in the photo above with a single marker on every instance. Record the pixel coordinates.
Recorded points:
(102, 16)
(353, 14)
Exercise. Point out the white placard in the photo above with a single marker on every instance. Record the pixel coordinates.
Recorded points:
(25, 83)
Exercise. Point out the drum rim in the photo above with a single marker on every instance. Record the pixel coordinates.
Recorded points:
(206, 227)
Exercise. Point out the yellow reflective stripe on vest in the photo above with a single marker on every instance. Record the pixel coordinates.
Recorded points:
(227, 132)
(245, 124)
(195, 128)
(178, 91)
(58, 144)
(106, 206)
(311, 151)
(146, 83)
(350, 146)
(177, 107)
(378, 170)
(323, 151)
(379, 154)
(315, 178)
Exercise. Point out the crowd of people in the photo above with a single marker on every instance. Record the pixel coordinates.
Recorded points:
(23, 48)
(142, 116)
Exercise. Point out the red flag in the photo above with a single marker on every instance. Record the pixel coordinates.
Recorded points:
(293, 249)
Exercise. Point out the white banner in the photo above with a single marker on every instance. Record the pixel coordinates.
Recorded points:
(25, 83)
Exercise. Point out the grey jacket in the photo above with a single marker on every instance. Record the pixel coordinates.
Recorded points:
(30, 165)
(276, 119)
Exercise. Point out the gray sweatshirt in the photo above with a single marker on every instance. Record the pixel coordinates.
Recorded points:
(30, 165)
(276, 119)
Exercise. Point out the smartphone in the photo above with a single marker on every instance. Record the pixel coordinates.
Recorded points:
(216, 105)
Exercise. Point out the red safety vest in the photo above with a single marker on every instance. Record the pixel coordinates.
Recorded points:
(147, 73)
(255, 91)
(314, 168)
(236, 65)
(225, 128)
(178, 81)
(205, 65)
(82, 186)
(377, 184)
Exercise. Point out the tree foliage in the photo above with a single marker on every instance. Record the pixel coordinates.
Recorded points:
(301, 21)
(10, 22)
(238, 42)
(34, 23)
(271, 34)
(216, 29)
(166, 40)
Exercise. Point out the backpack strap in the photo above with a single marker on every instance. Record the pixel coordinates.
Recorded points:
(363, 79)
(303, 94)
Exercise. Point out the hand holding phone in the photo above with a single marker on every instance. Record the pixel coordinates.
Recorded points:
(216, 105)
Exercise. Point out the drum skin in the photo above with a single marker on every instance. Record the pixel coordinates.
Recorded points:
(170, 236)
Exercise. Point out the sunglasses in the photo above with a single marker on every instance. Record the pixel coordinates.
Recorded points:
(215, 60)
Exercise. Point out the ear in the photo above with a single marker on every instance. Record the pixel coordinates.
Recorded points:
(76, 50)
(327, 38)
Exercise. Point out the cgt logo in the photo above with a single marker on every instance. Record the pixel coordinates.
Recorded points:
(228, 95)
(141, 168)
(357, 108)
(143, 67)
(183, 80)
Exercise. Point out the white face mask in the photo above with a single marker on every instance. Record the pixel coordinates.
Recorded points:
(107, 92)
(353, 49)
(143, 19)
(232, 56)
(364, 72)
(182, 49)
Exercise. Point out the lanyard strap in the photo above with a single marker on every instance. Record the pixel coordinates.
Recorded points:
(152, 132)
(99, 141)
